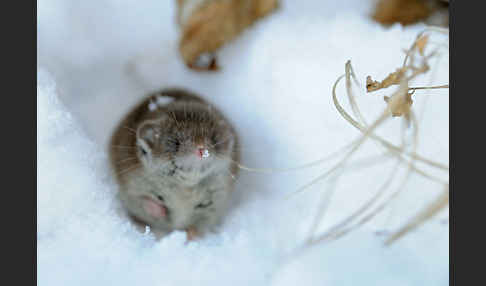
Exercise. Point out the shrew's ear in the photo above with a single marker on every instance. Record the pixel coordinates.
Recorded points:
(148, 134)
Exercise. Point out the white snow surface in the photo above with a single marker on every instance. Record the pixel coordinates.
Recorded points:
(97, 58)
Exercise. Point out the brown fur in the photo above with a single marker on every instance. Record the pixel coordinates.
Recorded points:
(123, 136)
(181, 190)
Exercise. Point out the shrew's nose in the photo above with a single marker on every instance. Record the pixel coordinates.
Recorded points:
(202, 152)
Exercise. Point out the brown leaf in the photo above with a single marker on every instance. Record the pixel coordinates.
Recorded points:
(406, 12)
(399, 105)
(391, 79)
(421, 43)
(371, 85)
(207, 25)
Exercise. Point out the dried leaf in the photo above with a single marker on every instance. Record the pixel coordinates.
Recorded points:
(371, 85)
(206, 25)
(400, 105)
(393, 78)
(406, 12)
(421, 43)
(205, 62)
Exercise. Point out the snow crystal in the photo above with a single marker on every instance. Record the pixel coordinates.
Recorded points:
(160, 100)
(164, 100)
(205, 153)
(152, 106)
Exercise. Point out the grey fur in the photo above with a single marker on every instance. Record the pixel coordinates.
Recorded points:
(151, 153)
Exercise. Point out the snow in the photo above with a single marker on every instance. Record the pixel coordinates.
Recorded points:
(152, 105)
(163, 100)
(97, 58)
(205, 153)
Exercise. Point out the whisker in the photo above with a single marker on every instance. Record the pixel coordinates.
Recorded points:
(120, 146)
(231, 175)
(126, 159)
(296, 168)
(133, 167)
(130, 129)
(174, 117)
(222, 141)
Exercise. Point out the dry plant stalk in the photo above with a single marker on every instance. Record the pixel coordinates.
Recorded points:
(399, 104)
(433, 208)
(399, 76)
(206, 25)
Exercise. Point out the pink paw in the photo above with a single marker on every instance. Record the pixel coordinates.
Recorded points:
(155, 209)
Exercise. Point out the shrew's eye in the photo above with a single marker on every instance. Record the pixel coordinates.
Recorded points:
(204, 204)
(214, 139)
(174, 144)
(160, 198)
(142, 151)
